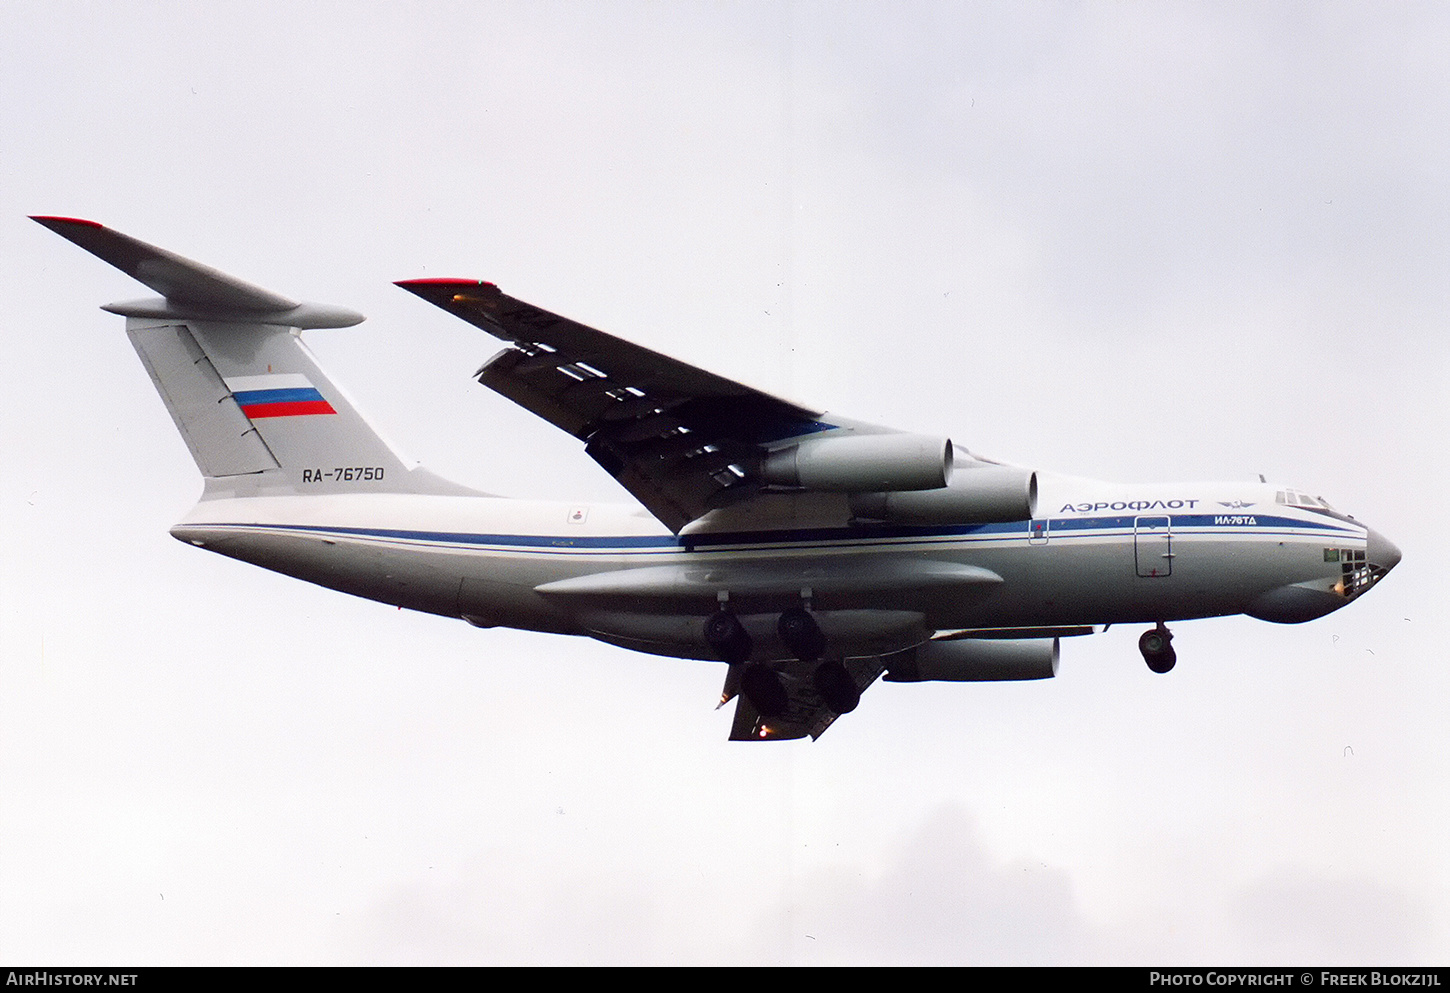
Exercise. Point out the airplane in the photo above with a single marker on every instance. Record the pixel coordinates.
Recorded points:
(809, 553)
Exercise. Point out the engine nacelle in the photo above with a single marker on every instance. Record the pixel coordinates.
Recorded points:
(861, 463)
(967, 660)
(983, 494)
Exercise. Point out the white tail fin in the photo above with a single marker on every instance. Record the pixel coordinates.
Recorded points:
(255, 409)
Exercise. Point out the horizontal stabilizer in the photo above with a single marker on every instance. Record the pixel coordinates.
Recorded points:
(190, 288)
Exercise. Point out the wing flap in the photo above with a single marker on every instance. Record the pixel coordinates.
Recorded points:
(500, 375)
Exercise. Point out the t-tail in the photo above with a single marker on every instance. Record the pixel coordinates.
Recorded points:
(257, 412)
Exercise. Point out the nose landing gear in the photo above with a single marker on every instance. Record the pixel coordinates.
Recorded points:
(1157, 648)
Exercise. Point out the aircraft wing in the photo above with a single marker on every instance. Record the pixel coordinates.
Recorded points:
(805, 714)
(682, 440)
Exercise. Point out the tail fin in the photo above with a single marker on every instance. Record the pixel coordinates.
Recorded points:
(257, 412)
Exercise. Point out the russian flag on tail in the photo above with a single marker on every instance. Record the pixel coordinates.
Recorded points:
(279, 394)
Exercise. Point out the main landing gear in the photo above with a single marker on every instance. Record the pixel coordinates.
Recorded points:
(801, 634)
(761, 684)
(1157, 648)
(836, 686)
(725, 634)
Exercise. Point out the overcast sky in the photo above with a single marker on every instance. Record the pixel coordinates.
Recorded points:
(1129, 241)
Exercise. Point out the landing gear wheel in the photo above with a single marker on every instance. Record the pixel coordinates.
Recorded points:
(763, 688)
(1157, 648)
(801, 634)
(836, 687)
(725, 634)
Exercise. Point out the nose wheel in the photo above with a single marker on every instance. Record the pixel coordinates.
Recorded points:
(1157, 648)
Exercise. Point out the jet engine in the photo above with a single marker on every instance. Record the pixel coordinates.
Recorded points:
(861, 463)
(975, 660)
(982, 494)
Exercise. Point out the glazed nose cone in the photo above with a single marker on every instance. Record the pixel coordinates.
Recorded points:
(1380, 551)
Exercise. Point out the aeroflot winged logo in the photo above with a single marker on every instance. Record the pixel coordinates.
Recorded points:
(280, 394)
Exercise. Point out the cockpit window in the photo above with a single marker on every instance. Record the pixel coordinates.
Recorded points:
(1293, 498)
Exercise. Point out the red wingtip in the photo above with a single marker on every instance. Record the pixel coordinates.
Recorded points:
(44, 218)
(441, 281)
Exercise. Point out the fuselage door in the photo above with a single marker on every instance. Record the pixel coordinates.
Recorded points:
(1153, 546)
(1037, 531)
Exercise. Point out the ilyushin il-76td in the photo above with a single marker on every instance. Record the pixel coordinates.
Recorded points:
(808, 553)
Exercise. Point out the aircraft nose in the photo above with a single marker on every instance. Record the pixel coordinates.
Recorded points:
(1380, 551)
